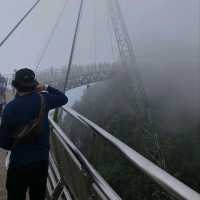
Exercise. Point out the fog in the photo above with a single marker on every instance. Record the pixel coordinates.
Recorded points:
(162, 32)
(165, 37)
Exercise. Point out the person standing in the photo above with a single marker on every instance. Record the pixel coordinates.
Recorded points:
(25, 131)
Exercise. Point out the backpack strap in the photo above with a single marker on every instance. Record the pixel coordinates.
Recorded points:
(31, 130)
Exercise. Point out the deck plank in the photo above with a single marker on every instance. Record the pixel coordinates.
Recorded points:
(2, 175)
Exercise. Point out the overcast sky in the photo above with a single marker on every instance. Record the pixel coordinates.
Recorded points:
(166, 30)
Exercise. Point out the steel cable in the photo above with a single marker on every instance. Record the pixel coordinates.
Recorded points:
(69, 63)
(18, 24)
(44, 50)
(73, 45)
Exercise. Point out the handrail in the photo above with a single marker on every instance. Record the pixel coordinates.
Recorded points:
(169, 183)
(86, 166)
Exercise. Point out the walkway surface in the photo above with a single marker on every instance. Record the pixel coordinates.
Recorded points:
(2, 175)
(2, 161)
(3, 195)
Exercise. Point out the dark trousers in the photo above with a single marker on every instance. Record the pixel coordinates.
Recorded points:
(32, 177)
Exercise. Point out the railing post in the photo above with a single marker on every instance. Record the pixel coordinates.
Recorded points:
(57, 191)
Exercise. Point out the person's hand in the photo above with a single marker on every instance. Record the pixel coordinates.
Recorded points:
(40, 88)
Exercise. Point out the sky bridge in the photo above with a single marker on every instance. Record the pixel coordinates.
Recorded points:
(73, 175)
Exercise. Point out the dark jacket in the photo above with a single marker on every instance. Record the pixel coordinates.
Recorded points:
(21, 111)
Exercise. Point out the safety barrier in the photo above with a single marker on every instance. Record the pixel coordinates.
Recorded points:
(169, 183)
(55, 188)
(101, 189)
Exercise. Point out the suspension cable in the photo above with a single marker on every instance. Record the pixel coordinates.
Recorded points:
(110, 30)
(73, 45)
(44, 50)
(18, 24)
(95, 33)
(69, 65)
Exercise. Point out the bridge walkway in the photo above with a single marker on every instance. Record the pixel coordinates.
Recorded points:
(3, 194)
(2, 176)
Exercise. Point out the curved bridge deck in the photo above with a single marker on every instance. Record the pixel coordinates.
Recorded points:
(2, 176)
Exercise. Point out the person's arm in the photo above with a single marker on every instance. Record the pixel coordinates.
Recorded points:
(55, 98)
(5, 131)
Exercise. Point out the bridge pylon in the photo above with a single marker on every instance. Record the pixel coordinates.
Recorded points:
(128, 61)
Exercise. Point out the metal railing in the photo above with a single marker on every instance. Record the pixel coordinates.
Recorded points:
(100, 186)
(169, 183)
(55, 188)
